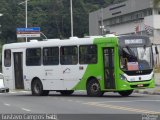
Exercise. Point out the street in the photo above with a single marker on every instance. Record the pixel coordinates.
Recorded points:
(79, 103)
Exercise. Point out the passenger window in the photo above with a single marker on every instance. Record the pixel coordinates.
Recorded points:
(33, 57)
(51, 56)
(7, 58)
(88, 54)
(69, 55)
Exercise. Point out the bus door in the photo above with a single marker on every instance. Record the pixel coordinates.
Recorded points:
(108, 56)
(18, 70)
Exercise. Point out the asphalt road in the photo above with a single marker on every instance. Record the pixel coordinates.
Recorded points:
(79, 103)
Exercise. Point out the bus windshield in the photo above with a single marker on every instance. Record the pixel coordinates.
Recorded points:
(135, 58)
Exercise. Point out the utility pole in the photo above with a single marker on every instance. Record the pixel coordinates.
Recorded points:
(0, 24)
(26, 12)
(102, 25)
(71, 18)
(26, 6)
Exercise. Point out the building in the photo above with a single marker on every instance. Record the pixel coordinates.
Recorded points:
(128, 17)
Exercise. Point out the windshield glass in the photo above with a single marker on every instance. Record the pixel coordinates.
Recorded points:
(135, 58)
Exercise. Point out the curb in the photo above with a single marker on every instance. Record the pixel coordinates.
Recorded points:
(149, 92)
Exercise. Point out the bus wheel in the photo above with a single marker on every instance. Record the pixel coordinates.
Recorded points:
(125, 93)
(66, 92)
(93, 88)
(37, 88)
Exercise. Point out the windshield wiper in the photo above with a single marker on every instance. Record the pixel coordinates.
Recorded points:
(131, 52)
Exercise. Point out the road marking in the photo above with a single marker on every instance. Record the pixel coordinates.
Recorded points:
(122, 108)
(24, 91)
(78, 101)
(128, 101)
(7, 104)
(26, 109)
(12, 92)
(19, 92)
(70, 100)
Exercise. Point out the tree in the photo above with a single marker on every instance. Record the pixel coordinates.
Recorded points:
(53, 16)
(156, 3)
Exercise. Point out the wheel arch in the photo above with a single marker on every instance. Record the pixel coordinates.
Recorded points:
(40, 90)
(90, 78)
(90, 87)
(34, 79)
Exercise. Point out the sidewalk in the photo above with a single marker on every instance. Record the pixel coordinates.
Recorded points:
(152, 91)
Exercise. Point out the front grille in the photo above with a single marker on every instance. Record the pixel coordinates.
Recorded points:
(139, 81)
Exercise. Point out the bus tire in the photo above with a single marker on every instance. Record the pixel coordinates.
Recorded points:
(125, 93)
(37, 88)
(66, 92)
(93, 88)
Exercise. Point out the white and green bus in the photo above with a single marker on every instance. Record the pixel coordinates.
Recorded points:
(95, 64)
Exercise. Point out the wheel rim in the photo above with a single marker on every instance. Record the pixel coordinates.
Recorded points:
(95, 88)
(37, 88)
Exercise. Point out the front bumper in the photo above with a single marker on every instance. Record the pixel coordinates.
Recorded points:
(125, 85)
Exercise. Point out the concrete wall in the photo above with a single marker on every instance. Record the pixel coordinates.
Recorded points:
(129, 7)
(156, 21)
(126, 27)
(153, 21)
(126, 8)
(93, 24)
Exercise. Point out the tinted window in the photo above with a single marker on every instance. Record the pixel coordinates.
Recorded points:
(51, 56)
(88, 54)
(7, 58)
(69, 55)
(33, 57)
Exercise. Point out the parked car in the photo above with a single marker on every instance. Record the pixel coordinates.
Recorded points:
(2, 87)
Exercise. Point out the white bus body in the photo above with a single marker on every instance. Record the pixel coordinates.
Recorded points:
(55, 77)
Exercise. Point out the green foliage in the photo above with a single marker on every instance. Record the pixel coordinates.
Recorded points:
(53, 16)
(156, 3)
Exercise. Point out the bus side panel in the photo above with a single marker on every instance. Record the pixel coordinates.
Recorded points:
(52, 78)
(93, 70)
(30, 73)
(72, 74)
(97, 70)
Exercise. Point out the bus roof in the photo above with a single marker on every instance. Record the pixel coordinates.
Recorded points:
(54, 42)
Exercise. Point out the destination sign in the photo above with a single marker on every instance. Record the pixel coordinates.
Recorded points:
(133, 41)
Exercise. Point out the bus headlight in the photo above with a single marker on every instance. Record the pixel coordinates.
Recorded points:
(122, 77)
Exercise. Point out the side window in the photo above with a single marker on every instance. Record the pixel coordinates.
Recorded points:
(7, 58)
(69, 55)
(88, 54)
(33, 57)
(51, 56)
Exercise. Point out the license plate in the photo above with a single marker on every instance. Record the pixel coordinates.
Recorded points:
(140, 85)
